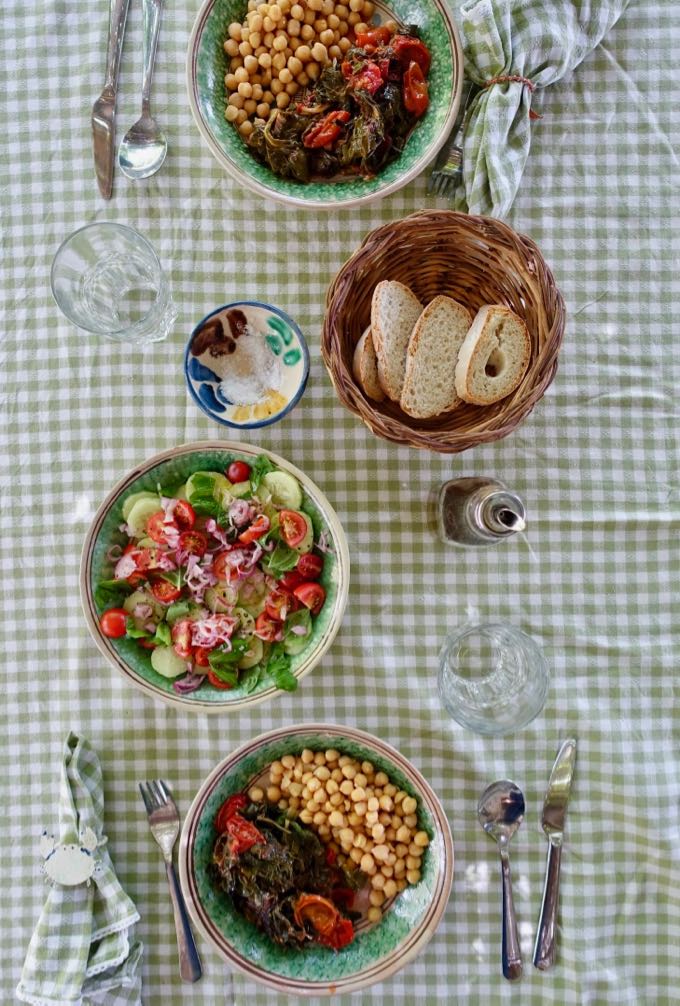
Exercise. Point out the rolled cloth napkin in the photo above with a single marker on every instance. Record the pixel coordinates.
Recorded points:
(513, 48)
(82, 949)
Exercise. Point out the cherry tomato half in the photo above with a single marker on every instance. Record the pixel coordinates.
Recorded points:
(147, 644)
(416, 98)
(409, 50)
(279, 603)
(243, 834)
(310, 566)
(326, 131)
(319, 911)
(340, 936)
(201, 654)
(292, 526)
(217, 682)
(312, 595)
(181, 637)
(164, 591)
(291, 580)
(238, 471)
(221, 568)
(266, 627)
(157, 527)
(194, 543)
(112, 622)
(374, 36)
(231, 806)
(184, 515)
(259, 527)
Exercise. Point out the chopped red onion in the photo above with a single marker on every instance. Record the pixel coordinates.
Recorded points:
(188, 684)
(125, 567)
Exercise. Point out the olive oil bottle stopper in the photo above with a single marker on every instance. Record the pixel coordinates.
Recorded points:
(478, 511)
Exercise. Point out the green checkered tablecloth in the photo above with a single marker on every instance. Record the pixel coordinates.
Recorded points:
(595, 583)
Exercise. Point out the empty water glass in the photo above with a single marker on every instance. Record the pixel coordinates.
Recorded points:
(493, 678)
(107, 279)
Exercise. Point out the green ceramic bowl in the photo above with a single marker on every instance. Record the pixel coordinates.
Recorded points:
(170, 468)
(378, 950)
(207, 65)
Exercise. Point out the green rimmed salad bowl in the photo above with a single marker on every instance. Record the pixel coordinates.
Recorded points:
(207, 65)
(379, 949)
(172, 468)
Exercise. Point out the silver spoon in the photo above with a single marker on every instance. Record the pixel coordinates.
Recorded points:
(144, 146)
(500, 812)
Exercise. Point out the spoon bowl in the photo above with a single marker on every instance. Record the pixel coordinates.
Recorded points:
(500, 812)
(142, 149)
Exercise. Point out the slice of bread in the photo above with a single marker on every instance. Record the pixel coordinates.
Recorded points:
(394, 311)
(429, 383)
(365, 367)
(494, 356)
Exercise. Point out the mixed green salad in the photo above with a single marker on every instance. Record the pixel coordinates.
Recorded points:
(219, 578)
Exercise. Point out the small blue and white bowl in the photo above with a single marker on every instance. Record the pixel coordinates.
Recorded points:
(246, 364)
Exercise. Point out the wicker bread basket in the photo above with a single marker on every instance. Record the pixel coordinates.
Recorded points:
(475, 260)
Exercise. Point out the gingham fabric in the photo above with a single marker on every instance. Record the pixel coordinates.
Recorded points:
(84, 940)
(595, 581)
(536, 43)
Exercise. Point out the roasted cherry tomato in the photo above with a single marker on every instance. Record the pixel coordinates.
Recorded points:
(411, 50)
(184, 515)
(146, 558)
(194, 543)
(217, 682)
(221, 568)
(374, 36)
(201, 654)
(343, 897)
(266, 627)
(368, 77)
(279, 603)
(112, 622)
(147, 644)
(164, 591)
(292, 527)
(243, 834)
(157, 527)
(326, 131)
(238, 471)
(319, 911)
(310, 566)
(181, 637)
(259, 527)
(340, 936)
(312, 595)
(232, 805)
(416, 98)
(291, 580)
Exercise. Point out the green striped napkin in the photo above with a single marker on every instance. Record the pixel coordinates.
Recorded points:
(513, 48)
(82, 949)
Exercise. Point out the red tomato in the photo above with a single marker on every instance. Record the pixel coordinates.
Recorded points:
(238, 471)
(259, 527)
(157, 527)
(146, 558)
(341, 934)
(293, 527)
(147, 644)
(217, 682)
(243, 834)
(164, 591)
(266, 627)
(181, 637)
(291, 580)
(310, 566)
(112, 622)
(194, 542)
(312, 595)
(201, 654)
(326, 131)
(320, 912)
(220, 568)
(279, 603)
(184, 515)
(343, 897)
(230, 807)
(366, 77)
(374, 36)
(134, 579)
(416, 98)
(411, 50)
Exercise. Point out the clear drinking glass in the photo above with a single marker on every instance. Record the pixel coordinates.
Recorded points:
(493, 678)
(107, 279)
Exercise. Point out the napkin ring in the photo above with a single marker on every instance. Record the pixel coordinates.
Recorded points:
(514, 78)
(69, 864)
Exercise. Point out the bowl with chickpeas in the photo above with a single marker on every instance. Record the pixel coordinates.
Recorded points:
(316, 859)
(319, 103)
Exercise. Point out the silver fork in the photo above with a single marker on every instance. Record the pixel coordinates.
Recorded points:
(448, 168)
(164, 823)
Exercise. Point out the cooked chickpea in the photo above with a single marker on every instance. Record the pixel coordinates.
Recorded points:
(421, 838)
(408, 805)
(347, 836)
(356, 855)
(313, 785)
(231, 47)
(241, 75)
(378, 832)
(344, 45)
(412, 862)
(275, 13)
(273, 794)
(333, 22)
(337, 820)
(282, 99)
(390, 888)
(278, 63)
(313, 71)
(374, 914)
(413, 876)
(381, 852)
(320, 54)
(410, 820)
(292, 88)
(230, 113)
(320, 795)
(392, 26)
(346, 786)
(268, 98)
(230, 82)
(268, 39)
(349, 772)
(285, 76)
(353, 19)
(380, 779)
(387, 870)
(385, 802)
(280, 43)
(341, 10)
(297, 11)
(263, 110)
(234, 31)
(295, 66)
(369, 7)
(336, 799)
(361, 842)
(354, 819)
(371, 818)
(378, 882)
(367, 863)
(319, 818)
(245, 89)
(376, 897)
(399, 868)
(335, 52)
(236, 100)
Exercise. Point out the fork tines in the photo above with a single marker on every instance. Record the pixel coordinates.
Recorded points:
(155, 794)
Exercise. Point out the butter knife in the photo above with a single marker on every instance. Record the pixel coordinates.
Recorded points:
(104, 108)
(552, 821)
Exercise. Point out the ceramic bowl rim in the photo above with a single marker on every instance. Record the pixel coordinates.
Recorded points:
(259, 188)
(396, 959)
(112, 656)
(258, 424)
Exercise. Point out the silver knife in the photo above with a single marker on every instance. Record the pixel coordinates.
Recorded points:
(104, 108)
(554, 811)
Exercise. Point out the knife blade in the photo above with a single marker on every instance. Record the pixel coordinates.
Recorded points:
(552, 822)
(104, 108)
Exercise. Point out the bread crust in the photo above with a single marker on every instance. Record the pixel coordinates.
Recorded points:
(495, 330)
(364, 367)
(391, 346)
(434, 353)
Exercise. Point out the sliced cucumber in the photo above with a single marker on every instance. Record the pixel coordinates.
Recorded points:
(181, 493)
(284, 489)
(292, 644)
(253, 654)
(220, 483)
(307, 543)
(139, 515)
(142, 597)
(240, 489)
(135, 498)
(165, 662)
(246, 622)
(147, 543)
(221, 598)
